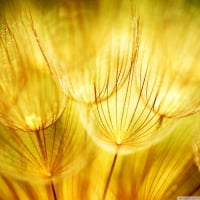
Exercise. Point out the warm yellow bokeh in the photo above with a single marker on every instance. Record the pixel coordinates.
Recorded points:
(99, 99)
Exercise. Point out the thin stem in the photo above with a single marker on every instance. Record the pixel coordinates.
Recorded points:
(53, 191)
(110, 175)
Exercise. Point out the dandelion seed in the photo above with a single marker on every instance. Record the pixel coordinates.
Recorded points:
(167, 62)
(47, 154)
(158, 172)
(123, 122)
(30, 97)
(80, 73)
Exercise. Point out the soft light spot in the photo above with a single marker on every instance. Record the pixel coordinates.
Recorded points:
(33, 121)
